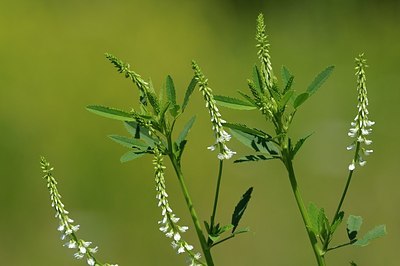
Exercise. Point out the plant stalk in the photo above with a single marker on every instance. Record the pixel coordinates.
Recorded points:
(193, 214)
(212, 221)
(300, 204)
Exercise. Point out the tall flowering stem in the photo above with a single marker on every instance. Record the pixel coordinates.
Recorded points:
(169, 221)
(263, 52)
(360, 127)
(217, 122)
(67, 226)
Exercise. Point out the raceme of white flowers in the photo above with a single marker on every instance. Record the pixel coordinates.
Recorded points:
(361, 126)
(169, 221)
(221, 135)
(67, 226)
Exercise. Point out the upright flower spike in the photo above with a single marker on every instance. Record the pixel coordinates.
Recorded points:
(67, 226)
(263, 52)
(169, 220)
(361, 126)
(221, 135)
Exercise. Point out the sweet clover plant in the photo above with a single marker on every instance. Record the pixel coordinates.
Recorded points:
(152, 125)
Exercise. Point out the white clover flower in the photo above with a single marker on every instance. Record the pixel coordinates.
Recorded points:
(217, 122)
(168, 224)
(66, 227)
(361, 126)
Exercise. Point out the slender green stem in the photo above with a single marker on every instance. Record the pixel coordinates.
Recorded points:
(221, 164)
(300, 204)
(193, 214)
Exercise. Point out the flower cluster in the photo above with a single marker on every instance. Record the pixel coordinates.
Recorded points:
(221, 135)
(361, 126)
(263, 52)
(67, 226)
(169, 221)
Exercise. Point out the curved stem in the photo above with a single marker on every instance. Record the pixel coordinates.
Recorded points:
(300, 204)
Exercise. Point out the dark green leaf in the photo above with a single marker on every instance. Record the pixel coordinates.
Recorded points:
(171, 90)
(300, 99)
(352, 263)
(378, 231)
(298, 145)
(353, 226)
(254, 158)
(128, 142)
(110, 112)
(338, 220)
(319, 80)
(288, 85)
(189, 92)
(286, 75)
(240, 208)
(131, 155)
(246, 129)
(233, 103)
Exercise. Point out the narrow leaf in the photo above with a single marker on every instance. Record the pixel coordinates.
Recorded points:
(257, 80)
(286, 75)
(377, 232)
(240, 208)
(298, 145)
(300, 99)
(110, 112)
(246, 129)
(254, 158)
(338, 220)
(128, 142)
(319, 80)
(353, 226)
(131, 155)
(313, 214)
(189, 92)
(257, 143)
(233, 103)
(139, 133)
(323, 225)
(288, 85)
(182, 136)
(247, 98)
(171, 90)
(285, 99)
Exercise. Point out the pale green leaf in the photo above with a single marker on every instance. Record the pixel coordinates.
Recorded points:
(377, 232)
(353, 226)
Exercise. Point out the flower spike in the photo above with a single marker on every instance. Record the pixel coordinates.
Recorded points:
(361, 126)
(67, 226)
(221, 135)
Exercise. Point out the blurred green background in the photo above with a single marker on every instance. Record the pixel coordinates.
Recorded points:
(52, 66)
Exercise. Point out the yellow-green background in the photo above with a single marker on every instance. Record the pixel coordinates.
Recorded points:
(52, 66)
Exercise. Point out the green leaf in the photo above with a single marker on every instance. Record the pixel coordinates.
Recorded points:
(128, 142)
(182, 136)
(110, 113)
(298, 145)
(257, 143)
(288, 85)
(286, 75)
(240, 208)
(323, 225)
(254, 158)
(313, 214)
(319, 80)
(285, 99)
(233, 103)
(353, 226)
(247, 98)
(378, 231)
(189, 92)
(338, 220)
(300, 99)
(246, 129)
(171, 90)
(257, 80)
(139, 133)
(131, 155)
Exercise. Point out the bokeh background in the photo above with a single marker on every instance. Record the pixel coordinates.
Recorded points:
(52, 66)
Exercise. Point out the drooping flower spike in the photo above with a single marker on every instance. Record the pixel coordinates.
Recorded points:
(361, 126)
(169, 223)
(217, 122)
(67, 226)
